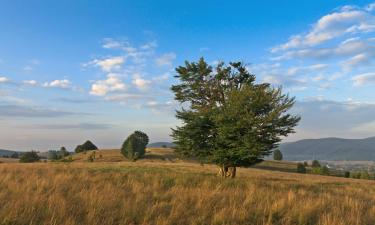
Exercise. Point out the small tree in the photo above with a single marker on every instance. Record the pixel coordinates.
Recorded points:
(277, 155)
(315, 163)
(134, 147)
(53, 155)
(347, 174)
(325, 170)
(87, 146)
(29, 157)
(63, 152)
(14, 155)
(301, 168)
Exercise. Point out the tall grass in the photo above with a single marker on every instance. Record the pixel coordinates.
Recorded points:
(146, 193)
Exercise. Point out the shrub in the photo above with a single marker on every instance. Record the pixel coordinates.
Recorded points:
(63, 152)
(325, 170)
(134, 147)
(87, 146)
(29, 157)
(14, 155)
(301, 168)
(315, 163)
(277, 155)
(365, 175)
(347, 174)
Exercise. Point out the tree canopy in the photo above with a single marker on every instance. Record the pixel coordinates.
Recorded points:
(29, 157)
(134, 147)
(277, 155)
(228, 119)
(87, 146)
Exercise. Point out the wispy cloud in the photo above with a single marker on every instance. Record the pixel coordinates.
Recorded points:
(26, 111)
(166, 59)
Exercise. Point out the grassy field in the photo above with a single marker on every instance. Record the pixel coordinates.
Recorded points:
(162, 189)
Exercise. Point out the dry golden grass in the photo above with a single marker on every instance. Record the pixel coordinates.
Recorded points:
(175, 192)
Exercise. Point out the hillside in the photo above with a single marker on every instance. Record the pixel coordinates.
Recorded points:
(164, 192)
(331, 149)
(160, 145)
(6, 152)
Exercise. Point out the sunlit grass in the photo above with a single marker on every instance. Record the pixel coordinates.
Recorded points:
(147, 192)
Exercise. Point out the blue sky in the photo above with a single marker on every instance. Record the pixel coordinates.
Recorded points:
(77, 70)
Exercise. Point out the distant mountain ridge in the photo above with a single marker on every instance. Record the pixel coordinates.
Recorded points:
(4, 152)
(330, 149)
(161, 144)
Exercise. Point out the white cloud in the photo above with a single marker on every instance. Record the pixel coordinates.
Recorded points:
(30, 82)
(140, 83)
(111, 84)
(166, 59)
(306, 69)
(108, 64)
(370, 7)
(355, 61)
(346, 20)
(364, 79)
(65, 84)
(4, 79)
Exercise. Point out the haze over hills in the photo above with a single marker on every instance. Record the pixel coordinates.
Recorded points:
(6, 152)
(330, 149)
(160, 144)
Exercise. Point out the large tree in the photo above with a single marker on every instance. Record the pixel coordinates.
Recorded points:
(228, 119)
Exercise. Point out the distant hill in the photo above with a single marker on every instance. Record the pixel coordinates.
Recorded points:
(331, 149)
(6, 152)
(160, 145)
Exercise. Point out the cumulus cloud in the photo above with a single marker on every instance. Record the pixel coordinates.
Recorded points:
(30, 82)
(113, 83)
(64, 84)
(4, 79)
(364, 79)
(108, 64)
(333, 25)
(166, 59)
(140, 83)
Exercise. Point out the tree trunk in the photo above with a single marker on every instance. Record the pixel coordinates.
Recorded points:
(232, 171)
(227, 171)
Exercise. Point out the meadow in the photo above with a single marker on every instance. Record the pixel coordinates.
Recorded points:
(163, 189)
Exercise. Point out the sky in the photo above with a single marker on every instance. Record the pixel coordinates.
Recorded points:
(74, 70)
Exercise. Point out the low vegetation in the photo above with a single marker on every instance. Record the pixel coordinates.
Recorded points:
(146, 192)
(87, 146)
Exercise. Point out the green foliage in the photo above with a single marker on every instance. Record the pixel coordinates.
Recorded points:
(87, 146)
(325, 170)
(365, 175)
(29, 157)
(301, 168)
(322, 170)
(134, 147)
(63, 152)
(230, 120)
(53, 155)
(347, 174)
(15, 155)
(315, 163)
(277, 155)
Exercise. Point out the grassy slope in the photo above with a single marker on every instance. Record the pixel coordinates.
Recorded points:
(165, 190)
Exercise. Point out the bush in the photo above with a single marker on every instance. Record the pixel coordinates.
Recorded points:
(301, 168)
(14, 155)
(134, 147)
(347, 174)
(277, 155)
(29, 157)
(87, 146)
(323, 170)
(365, 175)
(63, 152)
(315, 163)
